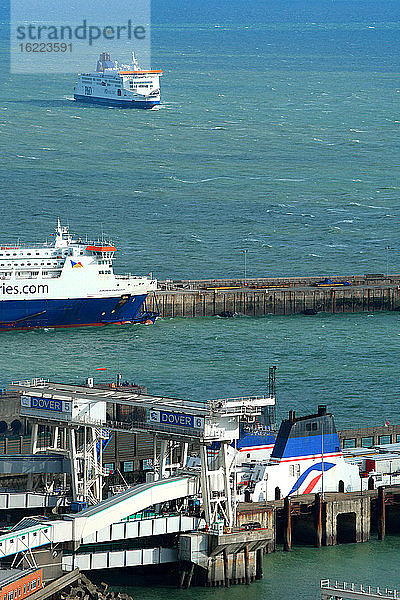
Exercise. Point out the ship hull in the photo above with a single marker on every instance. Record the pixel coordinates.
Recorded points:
(76, 312)
(115, 102)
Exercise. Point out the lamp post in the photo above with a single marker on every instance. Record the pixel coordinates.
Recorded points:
(244, 252)
(387, 248)
(322, 460)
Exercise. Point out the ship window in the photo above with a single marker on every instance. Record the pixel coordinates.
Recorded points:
(314, 426)
(308, 427)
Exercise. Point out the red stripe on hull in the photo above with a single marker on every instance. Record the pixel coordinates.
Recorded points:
(250, 448)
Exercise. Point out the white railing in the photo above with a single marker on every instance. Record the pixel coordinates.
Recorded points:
(241, 405)
(36, 382)
(352, 590)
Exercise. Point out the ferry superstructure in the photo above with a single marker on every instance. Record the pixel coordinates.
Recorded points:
(68, 283)
(306, 457)
(126, 86)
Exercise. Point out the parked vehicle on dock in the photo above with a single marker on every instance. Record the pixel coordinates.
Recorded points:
(330, 283)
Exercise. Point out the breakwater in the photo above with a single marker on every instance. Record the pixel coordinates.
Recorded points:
(276, 296)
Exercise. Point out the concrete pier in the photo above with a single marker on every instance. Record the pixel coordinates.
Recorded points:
(276, 296)
(225, 559)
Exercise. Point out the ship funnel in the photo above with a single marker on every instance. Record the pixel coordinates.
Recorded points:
(104, 62)
(321, 410)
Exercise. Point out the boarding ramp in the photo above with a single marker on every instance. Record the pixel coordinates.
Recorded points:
(120, 558)
(25, 536)
(32, 500)
(94, 555)
(131, 502)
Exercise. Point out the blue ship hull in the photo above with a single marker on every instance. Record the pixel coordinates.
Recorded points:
(118, 103)
(76, 312)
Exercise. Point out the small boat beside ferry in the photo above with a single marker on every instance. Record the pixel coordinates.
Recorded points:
(68, 283)
(126, 86)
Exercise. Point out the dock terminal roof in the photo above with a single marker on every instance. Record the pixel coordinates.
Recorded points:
(61, 391)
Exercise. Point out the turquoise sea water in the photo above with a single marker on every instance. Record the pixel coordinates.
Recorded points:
(279, 138)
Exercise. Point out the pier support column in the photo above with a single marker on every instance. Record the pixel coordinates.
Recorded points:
(205, 484)
(287, 525)
(182, 576)
(247, 565)
(227, 487)
(381, 513)
(226, 568)
(318, 521)
(189, 577)
(74, 464)
(259, 564)
(163, 459)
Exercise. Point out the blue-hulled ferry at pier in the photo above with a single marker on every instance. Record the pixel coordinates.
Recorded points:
(68, 283)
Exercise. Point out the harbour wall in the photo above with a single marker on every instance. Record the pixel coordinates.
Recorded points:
(277, 296)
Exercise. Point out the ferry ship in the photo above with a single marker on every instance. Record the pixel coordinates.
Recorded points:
(68, 283)
(126, 86)
(306, 457)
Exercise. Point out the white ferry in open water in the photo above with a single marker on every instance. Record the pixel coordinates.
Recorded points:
(68, 283)
(125, 86)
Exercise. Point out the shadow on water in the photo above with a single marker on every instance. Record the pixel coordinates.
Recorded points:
(56, 103)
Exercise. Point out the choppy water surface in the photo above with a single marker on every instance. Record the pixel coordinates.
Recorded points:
(279, 139)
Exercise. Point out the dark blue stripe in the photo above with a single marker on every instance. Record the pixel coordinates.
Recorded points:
(117, 103)
(253, 439)
(67, 312)
(308, 445)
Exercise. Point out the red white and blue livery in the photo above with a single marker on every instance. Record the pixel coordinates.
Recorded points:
(124, 86)
(306, 458)
(68, 283)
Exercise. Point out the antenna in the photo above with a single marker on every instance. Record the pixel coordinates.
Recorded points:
(272, 382)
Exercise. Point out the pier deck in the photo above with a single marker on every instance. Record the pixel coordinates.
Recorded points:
(277, 296)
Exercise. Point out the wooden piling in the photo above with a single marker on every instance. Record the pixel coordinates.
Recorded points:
(381, 513)
(226, 568)
(287, 525)
(189, 578)
(318, 520)
(182, 576)
(247, 565)
(259, 564)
